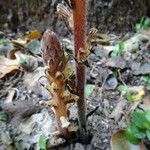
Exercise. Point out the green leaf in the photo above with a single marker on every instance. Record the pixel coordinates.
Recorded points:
(89, 89)
(3, 117)
(137, 132)
(42, 142)
(3, 42)
(148, 87)
(129, 133)
(148, 134)
(118, 49)
(121, 47)
(114, 53)
(122, 89)
(34, 46)
(146, 23)
(115, 73)
(137, 27)
(139, 119)
(129, 97)
(142, 20)
(147, 115)
(145, 79)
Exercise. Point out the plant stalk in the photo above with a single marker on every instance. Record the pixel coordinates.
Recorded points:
(79, 18)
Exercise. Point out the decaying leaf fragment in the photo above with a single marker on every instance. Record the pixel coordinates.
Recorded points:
(8, 66)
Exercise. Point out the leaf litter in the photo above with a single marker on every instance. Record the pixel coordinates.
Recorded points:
(131, 60)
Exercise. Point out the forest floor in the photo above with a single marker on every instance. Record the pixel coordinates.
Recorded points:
(116, 60)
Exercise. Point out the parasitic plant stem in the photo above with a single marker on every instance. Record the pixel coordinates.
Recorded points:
(79, 18)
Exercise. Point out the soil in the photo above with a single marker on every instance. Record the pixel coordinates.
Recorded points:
(102, 123)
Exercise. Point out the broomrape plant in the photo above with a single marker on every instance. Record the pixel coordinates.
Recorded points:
(59, 71)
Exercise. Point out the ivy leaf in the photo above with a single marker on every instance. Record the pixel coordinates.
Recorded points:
(42, 142)
(3, 117)
(89, 89)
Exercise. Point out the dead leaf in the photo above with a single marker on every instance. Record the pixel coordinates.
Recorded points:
(133, 107)
(10, 96)
(31, 81)
(116, 62)
(137, 92)
(119, 142)
(133, 43)
(118, 110)
(141, 69)
(146, 102)
(11, 54)
(19, 42)
(34, 46)
(8, 66)
(109, 48)
(20, 109)
(34, 35)
(27, 62)
(102, 51)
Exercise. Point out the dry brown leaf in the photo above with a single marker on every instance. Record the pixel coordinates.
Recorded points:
(11, 54)
(32, 82)
(27, 62)
(8, 66)
(34, 35)
(19, 42)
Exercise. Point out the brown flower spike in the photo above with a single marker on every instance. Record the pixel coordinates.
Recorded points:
(56, 72)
